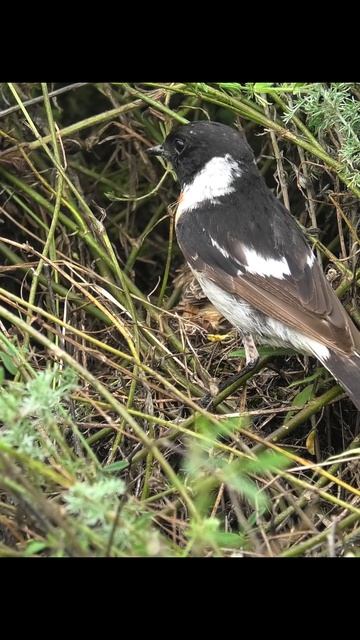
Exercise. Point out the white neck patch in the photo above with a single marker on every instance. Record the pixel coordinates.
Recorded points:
(214, 180)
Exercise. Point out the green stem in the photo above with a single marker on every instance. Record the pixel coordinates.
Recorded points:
(49, 247)
(167, 264)
(104, 393)
(78, 126)
(299, 549)
(291, 425)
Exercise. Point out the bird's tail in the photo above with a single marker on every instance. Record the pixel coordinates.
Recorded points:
(346, 370)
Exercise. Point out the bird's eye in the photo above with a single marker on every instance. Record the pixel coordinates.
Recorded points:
(179, 145)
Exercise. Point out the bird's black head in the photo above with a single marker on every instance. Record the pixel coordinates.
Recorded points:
(191, 146)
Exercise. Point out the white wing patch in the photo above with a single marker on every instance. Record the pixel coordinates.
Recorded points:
(213, 181)
(310, 259)
(219, 248)
(260, 266)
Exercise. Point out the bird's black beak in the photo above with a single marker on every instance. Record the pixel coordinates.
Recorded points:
(156, 151)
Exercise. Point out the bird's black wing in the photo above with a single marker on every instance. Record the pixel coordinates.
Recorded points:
(253, 248)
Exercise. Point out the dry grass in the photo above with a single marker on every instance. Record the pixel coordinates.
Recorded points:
(106, 344)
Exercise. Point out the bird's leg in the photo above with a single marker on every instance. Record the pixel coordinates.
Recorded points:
(251, 353)
(251, 360)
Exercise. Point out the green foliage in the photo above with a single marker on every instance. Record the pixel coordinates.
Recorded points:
(96, 456)
(334, 108)
(208, 534)
(208, 469)
(263, 351)
(302, 398)
(9, 354)
(235, 88)
(106, 521)
(8, 363)
(92, 502)
(29, 410)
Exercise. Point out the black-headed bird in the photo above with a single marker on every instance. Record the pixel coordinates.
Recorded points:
(251, 257)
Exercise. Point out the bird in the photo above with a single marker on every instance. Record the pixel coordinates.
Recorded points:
(251, 257)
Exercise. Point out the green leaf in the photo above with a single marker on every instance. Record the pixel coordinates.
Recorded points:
(233, 477)
(204, 531)
(250, 491)
(301, 399)
(317, 374)
(116, 466)
(34, 546)
(237, 353)
(232, 86)
(263, 87)
(263, 351)
(228, 539)
(8, 363)
(226, 427)
(266, 461)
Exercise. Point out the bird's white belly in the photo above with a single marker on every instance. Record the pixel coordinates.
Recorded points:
(249, 320)
(236, 311)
